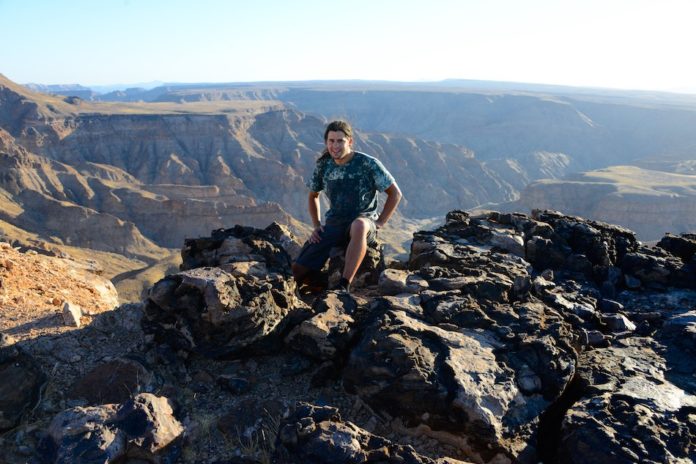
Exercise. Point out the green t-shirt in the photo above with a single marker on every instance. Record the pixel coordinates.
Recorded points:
(352, 188)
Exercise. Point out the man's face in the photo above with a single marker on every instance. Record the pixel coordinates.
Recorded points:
(338, 144)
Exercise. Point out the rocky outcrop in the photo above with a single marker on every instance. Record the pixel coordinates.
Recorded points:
(504, 338)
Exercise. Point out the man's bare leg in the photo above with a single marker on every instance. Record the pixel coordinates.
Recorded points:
(357, 247)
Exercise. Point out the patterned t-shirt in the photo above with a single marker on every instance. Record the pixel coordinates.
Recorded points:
(352, 188)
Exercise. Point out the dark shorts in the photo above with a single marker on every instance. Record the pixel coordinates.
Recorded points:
(314, 255)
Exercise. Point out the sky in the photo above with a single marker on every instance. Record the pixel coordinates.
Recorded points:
(623, 44)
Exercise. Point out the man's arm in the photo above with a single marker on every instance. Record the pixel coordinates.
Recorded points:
(314, 212)
(393, 198)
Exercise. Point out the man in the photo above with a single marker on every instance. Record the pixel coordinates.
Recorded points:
(352, 181)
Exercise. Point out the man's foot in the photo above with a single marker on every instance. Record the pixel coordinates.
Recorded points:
(342, 286)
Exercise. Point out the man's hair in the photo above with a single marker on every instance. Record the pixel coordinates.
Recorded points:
(335, 126)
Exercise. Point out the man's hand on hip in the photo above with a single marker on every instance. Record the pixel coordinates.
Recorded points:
(316, 234)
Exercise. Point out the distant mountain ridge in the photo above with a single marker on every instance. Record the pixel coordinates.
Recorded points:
(494, 119)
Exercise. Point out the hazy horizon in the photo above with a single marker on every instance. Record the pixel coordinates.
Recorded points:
(620, 45)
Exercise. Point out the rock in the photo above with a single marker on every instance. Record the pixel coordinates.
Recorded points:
(317, 434)
(547, 274)
(392, 281)
(142, 428)
(628, 410)
(6, 340)
(416, 284)
(683, 246)
(21, 380)
(6, 263)
(127, 317)
(210, 311)
(618, 323)
(149, 423)
(84, 435)
(508, 242)
(544, 253)
(610, 306)
(290, 243)
(328, 334)
(594, 338)
(423, 374)
(72, 314)
(241, 244)
(234, 384)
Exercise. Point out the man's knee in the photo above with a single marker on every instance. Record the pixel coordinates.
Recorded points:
(359, 228)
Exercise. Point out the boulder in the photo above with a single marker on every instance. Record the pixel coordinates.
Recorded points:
(392, 281)
(268, 249)
(443, 379)
(317, 434)
(72, 314)
(682, 246)
(149, 424)
(85, 435)
(629, 411)
(658, 268)
(143, 427)
(327, 334)
(215, 313)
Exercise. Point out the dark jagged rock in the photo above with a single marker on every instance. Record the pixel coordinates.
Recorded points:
(143, 427)
(482, 386)
(656, 267)
(683, 246)
(264, 251)
(149, 424)
(629, 410)
(215, 313)
(317, 434)
(328, 333)
(21, 381)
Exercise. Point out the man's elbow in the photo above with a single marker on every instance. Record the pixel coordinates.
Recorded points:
(394, 192)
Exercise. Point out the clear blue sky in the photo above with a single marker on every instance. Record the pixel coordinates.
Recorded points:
(637, 44)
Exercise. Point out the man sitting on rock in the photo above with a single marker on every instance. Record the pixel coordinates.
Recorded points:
(352, 181)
